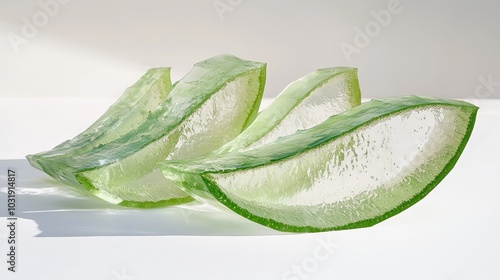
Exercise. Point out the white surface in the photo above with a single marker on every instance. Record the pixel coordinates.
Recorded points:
(451, 234)
(438, 48)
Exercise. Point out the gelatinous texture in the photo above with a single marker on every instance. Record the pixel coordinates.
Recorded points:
(130, 110)
(332, 97)
(220, 94)
(353, 170)
(198, 134)
(303, 104)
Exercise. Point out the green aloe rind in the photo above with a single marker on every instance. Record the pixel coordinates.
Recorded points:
(353, 170)
(303, 104)
(222, 93)
(127, 112)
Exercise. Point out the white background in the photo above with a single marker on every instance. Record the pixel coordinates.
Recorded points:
(95, 48)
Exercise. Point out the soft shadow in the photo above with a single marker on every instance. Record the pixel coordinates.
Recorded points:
(60, 211)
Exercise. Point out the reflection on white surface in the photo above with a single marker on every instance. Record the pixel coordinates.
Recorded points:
(60, 211)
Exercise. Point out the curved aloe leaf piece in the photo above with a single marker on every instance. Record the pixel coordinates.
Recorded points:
(220, 94)
(353, 170)
(130, 110)
(302, 104)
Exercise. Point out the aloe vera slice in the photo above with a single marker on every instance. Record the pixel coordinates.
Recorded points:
(126, 113)
(353, 170)
(207, 108)
(302, 104)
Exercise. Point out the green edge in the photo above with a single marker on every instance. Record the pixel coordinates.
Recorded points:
(224, 199)
(249, 120)
(135, 204)
(156, 204)
(256, 105)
